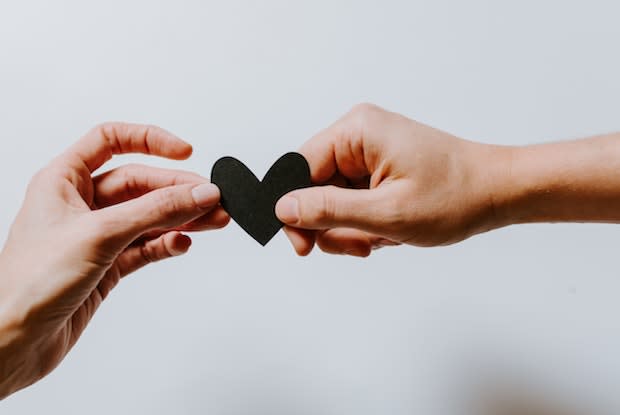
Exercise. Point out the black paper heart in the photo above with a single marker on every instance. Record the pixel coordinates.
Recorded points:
(250, 202)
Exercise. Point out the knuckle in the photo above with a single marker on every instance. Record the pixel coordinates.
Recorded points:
(147, 254)
(163, 251)
(107, 284)
(323, 210)
(40, 176)
(364, 108)
(106, 125)
(49, 174)
(107, 133)
(361, 113)
(146, 133)
(151, 128)
(360, 118)
(105, 129)
(155, 251)
(129, 172)
(167, 203)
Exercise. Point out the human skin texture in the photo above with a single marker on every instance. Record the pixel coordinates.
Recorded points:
(77, 235)
(383, 179)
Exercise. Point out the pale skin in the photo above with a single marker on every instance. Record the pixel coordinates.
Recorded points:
(390, 180)
(78, 234)
(381, 180)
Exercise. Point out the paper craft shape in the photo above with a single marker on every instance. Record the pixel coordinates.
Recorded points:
(250, 202)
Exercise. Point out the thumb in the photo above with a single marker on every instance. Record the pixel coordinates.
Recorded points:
(326, 207)
(164, 208)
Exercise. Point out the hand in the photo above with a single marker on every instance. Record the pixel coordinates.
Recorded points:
(76, 236)
(389, 181)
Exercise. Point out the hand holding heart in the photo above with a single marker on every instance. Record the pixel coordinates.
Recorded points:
(388, 180)
(379, 179)
(77, 235)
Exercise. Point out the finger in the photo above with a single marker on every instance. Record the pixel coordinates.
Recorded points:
(353, 242)
(134, 180)
(165, 208)
(343, 147)
(301, 239)
(109, 139)
(168, 245)
(216, 219)
(326, 207)
(343, 241)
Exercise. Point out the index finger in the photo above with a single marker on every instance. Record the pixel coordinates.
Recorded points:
(342, 148)
(106, 140)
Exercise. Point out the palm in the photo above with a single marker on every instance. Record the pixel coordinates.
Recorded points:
(89, 257)
(78, 199)
(86, 233)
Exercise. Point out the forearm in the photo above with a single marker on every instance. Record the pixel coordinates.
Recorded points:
(14, 367)
(573, 181)
(19, 353)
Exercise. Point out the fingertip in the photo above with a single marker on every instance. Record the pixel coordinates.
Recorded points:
(177, 149)
(169, 145)
(220, 218)
(206, 195)
(179, 243)
(303, 241)
(180, 150)
(360, 252)
(186, 150)
(305, 250)
(287, 209)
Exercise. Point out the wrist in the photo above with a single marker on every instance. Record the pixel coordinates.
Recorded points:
(517, 184)
(521, 185)
(494, 191)
(506, 191)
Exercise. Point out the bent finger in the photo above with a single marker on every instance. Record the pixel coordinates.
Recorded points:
(353, 242)
(303, 240)
(215, 219)
(134, 180)
(166, 208)
(106, 140)
(344, 146)
(343, 241)
(168, 245)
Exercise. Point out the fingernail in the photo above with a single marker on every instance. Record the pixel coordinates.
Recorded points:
(206, 195)
(287, 209)
(183, 248)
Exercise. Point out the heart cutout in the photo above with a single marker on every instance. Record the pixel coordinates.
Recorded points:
(251, 202)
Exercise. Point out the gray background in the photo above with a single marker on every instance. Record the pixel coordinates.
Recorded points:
(525, 314)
